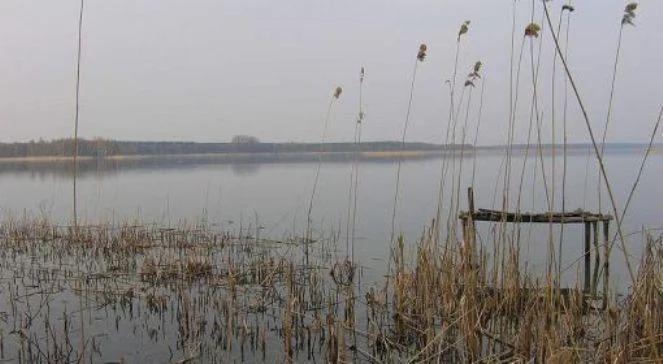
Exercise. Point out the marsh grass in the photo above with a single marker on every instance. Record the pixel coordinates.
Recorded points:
(200, 295)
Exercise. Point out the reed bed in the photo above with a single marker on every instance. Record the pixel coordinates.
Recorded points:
(194, 294)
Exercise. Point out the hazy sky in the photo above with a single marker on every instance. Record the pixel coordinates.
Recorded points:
(204, 70)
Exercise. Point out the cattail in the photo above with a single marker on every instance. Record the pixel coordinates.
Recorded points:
(629, 13)
(337, 92)
(630, 8)
(463, 28)
(532, 30)
(422, 52)
(475, 71)
(360, 117)
(568, 8)
(477, 66)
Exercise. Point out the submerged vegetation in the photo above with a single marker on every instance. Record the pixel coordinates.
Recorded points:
(99, 293)
(194, 293)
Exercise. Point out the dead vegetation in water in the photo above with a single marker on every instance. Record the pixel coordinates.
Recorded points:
(200, 295)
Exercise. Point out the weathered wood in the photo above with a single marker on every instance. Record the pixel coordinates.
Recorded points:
(471, 226)
(597, 256)
(589, 219)
(579, 217)
(606, 261)
(588, 258)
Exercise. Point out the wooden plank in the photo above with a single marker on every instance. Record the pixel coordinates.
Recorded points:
(558, 218)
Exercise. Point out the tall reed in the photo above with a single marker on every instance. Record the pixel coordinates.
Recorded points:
(464, 29)
(308, 233)
(473, 77)
(421, 56)
(77, 108)
(627, 19)
(476, 132)
(360, 123)
(354, 178)
(631, 193)
(597, 153)
(569, 9)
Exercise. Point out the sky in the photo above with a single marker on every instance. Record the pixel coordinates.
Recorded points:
(205, 70)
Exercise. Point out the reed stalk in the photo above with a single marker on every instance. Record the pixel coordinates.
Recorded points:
(421, 55)
(308, 233)
(77, 108)
(594, 146)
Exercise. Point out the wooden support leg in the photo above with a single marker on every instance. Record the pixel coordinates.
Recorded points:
(471, 227)
(597, 257)
(466, 243)
(588, 258)
(606, 262)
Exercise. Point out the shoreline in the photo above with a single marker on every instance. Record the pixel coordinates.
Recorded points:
(227, 156)
(309, 155)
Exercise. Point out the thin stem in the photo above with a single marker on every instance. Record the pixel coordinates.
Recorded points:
(356, 189)
(351, 193)
(308, 234)
(640, 170)
(360, 122)
(476, 133)
(610, 101)
(444, 167)
(462, 153)
(77, 108)
(594, 146)
(400, 155)
(564, 162)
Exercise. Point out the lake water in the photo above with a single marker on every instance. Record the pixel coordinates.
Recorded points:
(273, 196)
(276, 195)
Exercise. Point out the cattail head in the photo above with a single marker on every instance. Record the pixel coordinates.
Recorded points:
(337, 92)
(421, 55)
(568, 8)
(463, 28)
(629, 14)
(360, 118)
(361, 75)
(532, 30)
(476, 69)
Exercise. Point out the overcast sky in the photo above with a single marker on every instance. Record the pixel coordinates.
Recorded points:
(204, 70)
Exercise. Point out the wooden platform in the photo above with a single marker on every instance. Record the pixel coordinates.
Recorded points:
(591, 223)
(575, 217)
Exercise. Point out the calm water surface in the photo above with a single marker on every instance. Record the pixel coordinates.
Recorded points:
(276, 195)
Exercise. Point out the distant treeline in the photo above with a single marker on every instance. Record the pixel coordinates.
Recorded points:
(100, 148)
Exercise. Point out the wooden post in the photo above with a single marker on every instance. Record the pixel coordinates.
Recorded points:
(588, 258)
(470, 203)
(597, 257)
(466, 243)
(606, 261)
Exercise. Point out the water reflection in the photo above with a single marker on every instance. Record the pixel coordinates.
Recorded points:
(246, 164)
